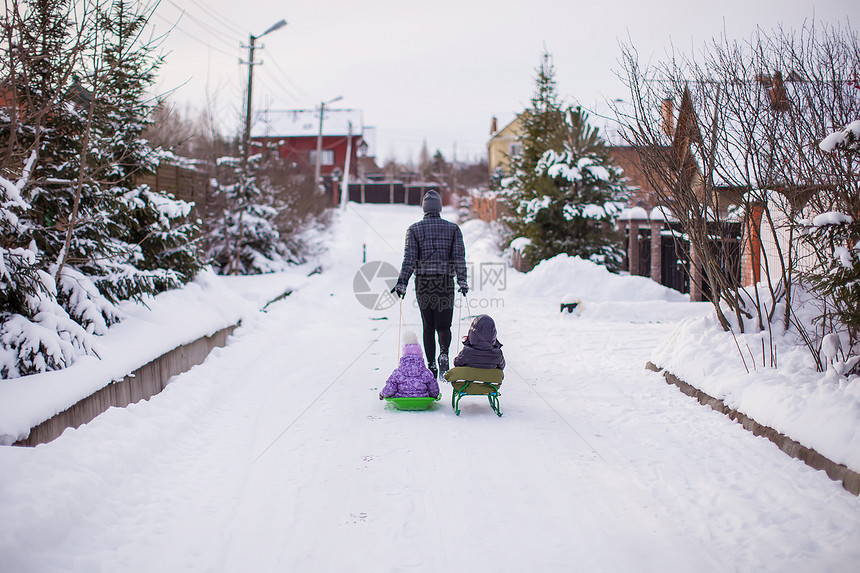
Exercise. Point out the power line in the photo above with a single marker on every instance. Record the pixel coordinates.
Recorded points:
(278, 74)
(297, 93)
(216, 16)
(282, 87)
(207, 27)
(174, 26)
(308, 98)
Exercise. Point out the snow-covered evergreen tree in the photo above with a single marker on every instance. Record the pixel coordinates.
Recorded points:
(36, 333)
(244, 239)
(78, 234)
(566, 190)
(152, 245)
(38, 130)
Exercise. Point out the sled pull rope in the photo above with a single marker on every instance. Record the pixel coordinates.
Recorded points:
(399, 325)
(460, 325)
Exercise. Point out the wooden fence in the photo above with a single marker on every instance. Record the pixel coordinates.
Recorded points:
(488, 209)
(186, 183)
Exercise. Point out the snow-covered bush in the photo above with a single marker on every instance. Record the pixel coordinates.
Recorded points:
(42, 336)
(834, 237)
(847, 139)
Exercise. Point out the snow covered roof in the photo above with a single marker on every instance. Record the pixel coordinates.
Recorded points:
(306, 122)
(662, 213)
(633, 214)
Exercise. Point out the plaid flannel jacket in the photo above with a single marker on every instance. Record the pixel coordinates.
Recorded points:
(434, 246)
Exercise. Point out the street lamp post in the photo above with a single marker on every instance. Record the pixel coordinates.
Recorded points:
(246, 137)
(319, 139)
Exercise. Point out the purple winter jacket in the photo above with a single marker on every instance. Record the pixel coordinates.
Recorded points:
(411, 378)
(480, 347)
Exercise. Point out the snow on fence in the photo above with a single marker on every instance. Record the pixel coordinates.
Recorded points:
(142, 384)
(837, 472)
(188, 183)
(518, 258)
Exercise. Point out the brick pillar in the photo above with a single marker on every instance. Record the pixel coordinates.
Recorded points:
(752, 249)
(656, 252)
(695, 276)
(633, 248)
(620, 226)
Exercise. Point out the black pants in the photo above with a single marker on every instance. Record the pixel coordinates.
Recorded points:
(435, 295)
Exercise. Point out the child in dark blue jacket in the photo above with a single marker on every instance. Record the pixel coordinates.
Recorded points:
(481, 348)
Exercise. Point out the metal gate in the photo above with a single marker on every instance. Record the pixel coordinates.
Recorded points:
(725, 245)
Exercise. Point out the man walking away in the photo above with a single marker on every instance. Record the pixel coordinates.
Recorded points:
(435, 252)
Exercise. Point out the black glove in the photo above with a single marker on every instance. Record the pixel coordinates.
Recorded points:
(464, 290)
(399, 291)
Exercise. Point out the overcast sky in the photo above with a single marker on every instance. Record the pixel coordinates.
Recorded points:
(437, 71)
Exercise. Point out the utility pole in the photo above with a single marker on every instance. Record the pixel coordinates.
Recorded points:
(454, 170)
(319, 140)
(246, 137)
(344, 193)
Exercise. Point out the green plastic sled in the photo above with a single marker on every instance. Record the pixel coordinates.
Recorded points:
(414, 403)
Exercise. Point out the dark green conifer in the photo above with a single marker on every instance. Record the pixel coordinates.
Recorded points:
(566, 190)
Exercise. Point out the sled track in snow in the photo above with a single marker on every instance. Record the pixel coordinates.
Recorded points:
(320, 395)
(557, 413)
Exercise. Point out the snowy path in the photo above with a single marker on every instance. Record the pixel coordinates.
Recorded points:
(276, 455)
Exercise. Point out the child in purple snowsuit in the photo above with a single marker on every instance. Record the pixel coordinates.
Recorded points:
(481, 349)
(411, 378)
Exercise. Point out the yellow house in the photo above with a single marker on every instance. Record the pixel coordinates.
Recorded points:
(504, 144)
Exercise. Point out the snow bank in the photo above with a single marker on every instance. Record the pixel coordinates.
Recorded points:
(821, 411)
(481, 240)
(564, 276)
(151, 329)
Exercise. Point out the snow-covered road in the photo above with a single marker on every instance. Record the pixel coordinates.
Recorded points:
(276, 454)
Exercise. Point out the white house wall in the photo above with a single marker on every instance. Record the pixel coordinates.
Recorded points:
(802, 254)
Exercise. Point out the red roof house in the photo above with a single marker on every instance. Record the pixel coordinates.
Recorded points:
(294, 134)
